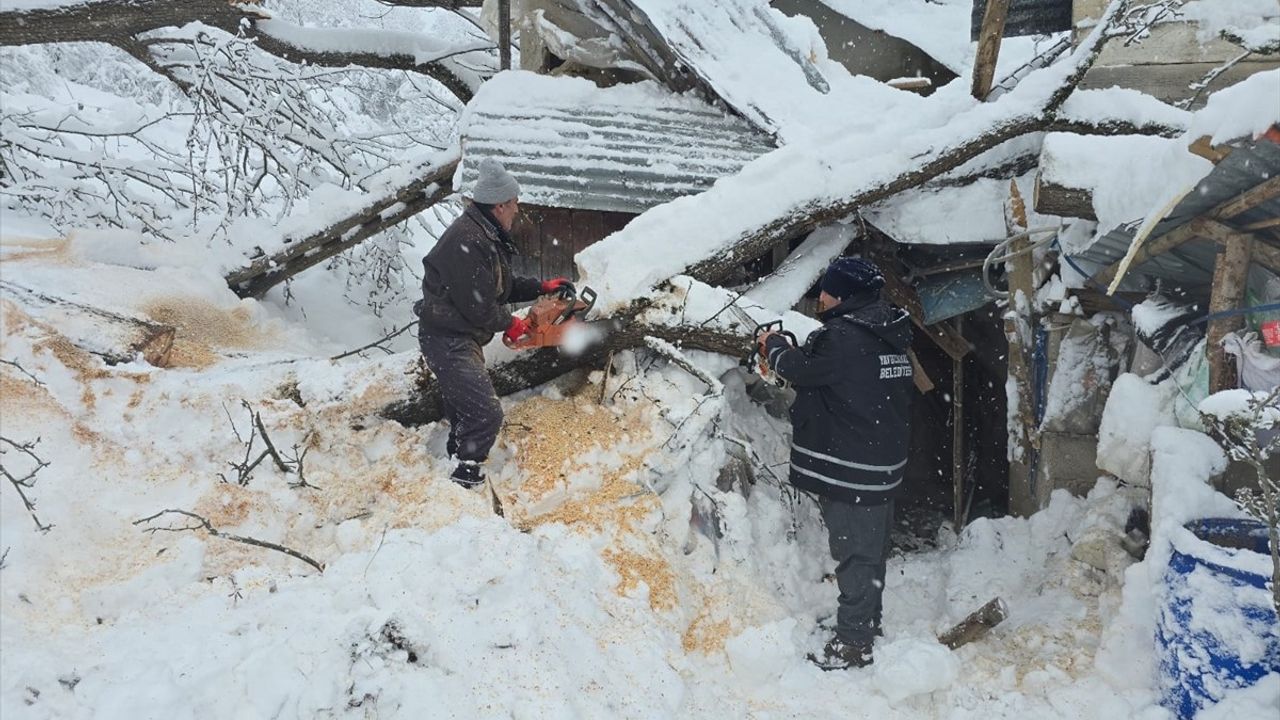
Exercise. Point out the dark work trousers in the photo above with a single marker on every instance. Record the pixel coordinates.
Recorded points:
(470, 404)
(859, 538)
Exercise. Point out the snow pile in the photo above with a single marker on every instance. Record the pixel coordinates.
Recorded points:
(1245, 109)
(1253, 23)
(1134, 410)
(631, 577)
(1103, 166)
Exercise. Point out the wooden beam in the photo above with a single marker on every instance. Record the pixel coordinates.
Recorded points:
(1230, 276)
(903, 295)
(1204, 147)
(1245, 201)
(504, 34)
(1261, 224)
(1248, 199)
(1159, 246)
(1267, 255)
(984, 67)
(957, 436)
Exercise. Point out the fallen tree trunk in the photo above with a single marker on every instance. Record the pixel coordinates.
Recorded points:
(719, 262)
(431, 184)
(535, 368)
(114, 337)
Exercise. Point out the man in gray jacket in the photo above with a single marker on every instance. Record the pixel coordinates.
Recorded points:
(466, 282)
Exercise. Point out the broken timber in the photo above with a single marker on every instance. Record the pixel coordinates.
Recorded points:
(431, 184)
(976, 625)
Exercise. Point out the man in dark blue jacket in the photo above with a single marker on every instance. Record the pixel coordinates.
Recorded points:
(850, 433)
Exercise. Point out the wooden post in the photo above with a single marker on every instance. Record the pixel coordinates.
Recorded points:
(504, 34)
(1019, 321)
(1230, 276)
(957, 435)
(984, 67)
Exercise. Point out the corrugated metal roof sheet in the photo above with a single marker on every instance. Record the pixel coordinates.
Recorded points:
(1192, 263)
(599, 151)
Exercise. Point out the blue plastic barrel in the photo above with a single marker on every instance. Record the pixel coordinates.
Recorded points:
(1197, 666)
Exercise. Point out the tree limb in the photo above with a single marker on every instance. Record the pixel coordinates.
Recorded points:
(120, 22)
(204, 524)
(432, 184)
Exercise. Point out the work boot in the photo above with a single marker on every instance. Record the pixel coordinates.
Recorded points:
(468, 474)
(840, 655)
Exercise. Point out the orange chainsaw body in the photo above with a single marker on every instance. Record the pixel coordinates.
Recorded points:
(550, 318)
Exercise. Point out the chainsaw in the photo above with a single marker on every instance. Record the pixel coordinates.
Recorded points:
(758, 360)
(552, 316)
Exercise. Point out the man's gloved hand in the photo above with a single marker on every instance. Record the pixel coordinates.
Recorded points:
(516, 329)
(550, 286)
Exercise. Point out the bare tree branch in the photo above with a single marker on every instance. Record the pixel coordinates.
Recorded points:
(26, 482)
(202, 523)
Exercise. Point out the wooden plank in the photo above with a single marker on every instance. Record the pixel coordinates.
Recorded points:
(1245, 201)
(1230, 277)
(923, 382)
(984, 68)
(588, 229)
(557, 243)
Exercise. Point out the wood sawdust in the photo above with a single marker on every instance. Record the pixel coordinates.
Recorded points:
(228, 504)
(707, 633)
(551, 438)
(654, 571)
(551, 435)
(55, 250)
(202, 328)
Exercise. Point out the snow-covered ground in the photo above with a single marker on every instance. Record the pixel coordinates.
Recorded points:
(604, 592)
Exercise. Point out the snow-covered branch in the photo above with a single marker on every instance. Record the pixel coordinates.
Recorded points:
(120, 22)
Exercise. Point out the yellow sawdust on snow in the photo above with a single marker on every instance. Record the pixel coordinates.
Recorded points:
(708, 631)
(654, 571)
(202, 328)
(47, 250)
(551, 437)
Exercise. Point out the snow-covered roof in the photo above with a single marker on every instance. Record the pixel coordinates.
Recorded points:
(627, 148)
(771, 68)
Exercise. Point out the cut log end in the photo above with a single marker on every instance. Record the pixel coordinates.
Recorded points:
(976, 625)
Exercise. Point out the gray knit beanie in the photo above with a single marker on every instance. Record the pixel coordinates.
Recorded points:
(495, 184)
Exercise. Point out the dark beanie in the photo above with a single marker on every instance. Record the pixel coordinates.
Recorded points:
(848, 276)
